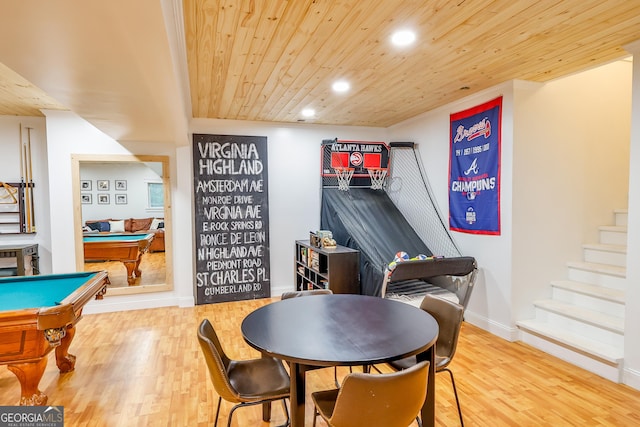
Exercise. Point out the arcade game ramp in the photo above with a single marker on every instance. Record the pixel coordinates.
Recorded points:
(382, 217)
(367, 220)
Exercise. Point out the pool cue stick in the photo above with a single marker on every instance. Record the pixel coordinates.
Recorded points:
(32, 223)
(21, 212)
(27, 204)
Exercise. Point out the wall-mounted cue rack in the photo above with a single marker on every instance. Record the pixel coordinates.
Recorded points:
(16, 208)
(16, 198)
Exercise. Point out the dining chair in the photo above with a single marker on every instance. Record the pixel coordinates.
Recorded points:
(244, 382)
(304, 293)
(372, 400)
(449, 316)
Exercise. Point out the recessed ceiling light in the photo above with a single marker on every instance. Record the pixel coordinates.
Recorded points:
(403, 38)
(341, 86)
(308, 112)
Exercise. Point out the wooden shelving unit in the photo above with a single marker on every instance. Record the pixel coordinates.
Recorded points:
(19, 260)
(327, 268)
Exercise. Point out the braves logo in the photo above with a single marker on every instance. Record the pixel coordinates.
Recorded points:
(482, 128)
(473, 168)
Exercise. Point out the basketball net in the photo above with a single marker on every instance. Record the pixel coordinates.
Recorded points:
(377, 176)
(344, 177)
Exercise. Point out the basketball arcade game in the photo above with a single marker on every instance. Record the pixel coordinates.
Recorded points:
(364, 207)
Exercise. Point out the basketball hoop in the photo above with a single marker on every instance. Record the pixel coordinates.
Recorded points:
(344, 177)
(377, 176)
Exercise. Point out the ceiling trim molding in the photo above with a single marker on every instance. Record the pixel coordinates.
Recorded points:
(174, 23)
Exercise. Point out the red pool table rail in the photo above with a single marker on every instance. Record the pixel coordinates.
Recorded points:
(129, 252)
(28, 335)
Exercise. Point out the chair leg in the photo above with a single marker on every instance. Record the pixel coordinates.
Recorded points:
(231, 414)
(455, 393)
(286, 411)
(239, 405)
(215, 424)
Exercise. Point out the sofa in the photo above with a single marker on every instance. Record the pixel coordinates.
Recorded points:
(130, 225)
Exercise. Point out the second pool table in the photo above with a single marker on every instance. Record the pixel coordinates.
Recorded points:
(127, 248)
(38, 314)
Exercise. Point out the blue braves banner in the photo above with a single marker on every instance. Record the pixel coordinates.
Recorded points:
(474, 169)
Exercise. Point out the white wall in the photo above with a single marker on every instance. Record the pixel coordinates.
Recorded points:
(563, 171)
(490, 304)
(294, 194)
(10, 172)
(68, 134)
(632, 312)
(571, 171)
(294, 181)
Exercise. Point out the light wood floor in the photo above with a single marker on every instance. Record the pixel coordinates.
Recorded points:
(143, 368)
(152, 266)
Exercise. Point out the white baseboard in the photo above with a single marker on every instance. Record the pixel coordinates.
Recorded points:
(186, 301)
(505, 332)
(631, 378)
(132, 302)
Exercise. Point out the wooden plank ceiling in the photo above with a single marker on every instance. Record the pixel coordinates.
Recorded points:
(266, 60)
(20, 97)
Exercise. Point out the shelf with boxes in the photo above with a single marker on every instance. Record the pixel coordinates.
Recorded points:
(334, 268)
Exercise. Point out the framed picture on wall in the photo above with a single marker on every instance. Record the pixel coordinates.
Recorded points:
(155, 195)
(85, 185)
(103, 185)
(121, 199)
(86, 199)
(103, 199)
(121, 184)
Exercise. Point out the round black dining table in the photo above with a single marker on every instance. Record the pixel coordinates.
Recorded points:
(342, 329)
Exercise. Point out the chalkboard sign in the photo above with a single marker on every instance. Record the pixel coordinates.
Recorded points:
(231, 218)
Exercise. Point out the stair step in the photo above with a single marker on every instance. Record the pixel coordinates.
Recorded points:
(621, 216)
(595, 267)
(613, 228)
(613, 234)
(605, 254)
(602, 351)
(589, 317)
(607, 294)
(606, 247)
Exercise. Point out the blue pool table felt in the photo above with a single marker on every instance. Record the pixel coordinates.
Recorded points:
(116, 237)
(24, 292)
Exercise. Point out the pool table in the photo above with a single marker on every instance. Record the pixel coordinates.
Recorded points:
(38, 314)
(127, 248)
